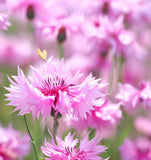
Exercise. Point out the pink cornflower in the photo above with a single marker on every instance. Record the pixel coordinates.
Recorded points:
(104, 115)
(63, 18)
(12, 145)
(52, 85)
(60, 27)
(4, 23)
(140, 149)
(67, 149)
(132, 97)
(113, 33)
(128, 96)
(30, 9)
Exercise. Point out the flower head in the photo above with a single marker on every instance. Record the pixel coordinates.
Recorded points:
(104, 115)
(53, 86)
(65, 150)
(30, 9)
(132, 97)
(128, 95)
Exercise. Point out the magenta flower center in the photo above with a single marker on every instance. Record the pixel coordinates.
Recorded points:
(74, 154)
(143, 153)
(51, 86)
(7, 153)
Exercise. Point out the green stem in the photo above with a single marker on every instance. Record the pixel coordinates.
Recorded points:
(55, 127)
(112, 75)
(60, 48)
(32, 140)
(121, 62)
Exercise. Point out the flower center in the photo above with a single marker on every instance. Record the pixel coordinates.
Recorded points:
(51, 86)
(143, 152)
(74, 154)
(7, 153)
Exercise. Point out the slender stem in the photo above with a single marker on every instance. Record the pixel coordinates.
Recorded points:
(60, 48)
(121, 62)
(111, 80)
(32, 140)
(55, 127)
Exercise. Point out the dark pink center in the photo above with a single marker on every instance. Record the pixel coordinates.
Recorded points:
(51, 86)
(74, 154)
(142, 153)
(6, 153)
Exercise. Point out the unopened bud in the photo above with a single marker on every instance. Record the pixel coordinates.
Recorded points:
(61, 35)
(30, 12)
(105, 8)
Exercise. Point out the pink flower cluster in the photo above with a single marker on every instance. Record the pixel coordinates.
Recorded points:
(100, 38)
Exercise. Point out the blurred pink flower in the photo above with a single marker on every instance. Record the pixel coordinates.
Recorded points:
(131, 97)
(113, 33)
(64, 17)
(31, 9)
(60, 26)
(140, 149)
(142, 124)
(139, 13)
(67, 149)
(4, 23)
(52, 85)
(12, 145)
(128, 96)
(15, 51)
(104, 115)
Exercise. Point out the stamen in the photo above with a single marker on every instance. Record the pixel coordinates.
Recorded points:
(51, 86)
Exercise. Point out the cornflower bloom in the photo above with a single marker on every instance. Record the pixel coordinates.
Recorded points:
(51, 86)
(104, 115)
(67, 150)
(12, 145)
(30, 9)
(132, 97)
(128, 96)
(113, 33)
